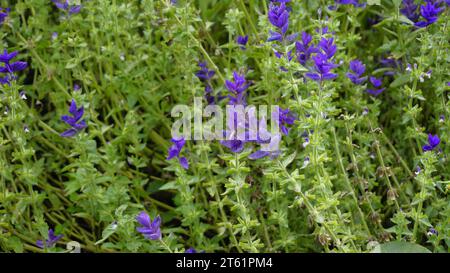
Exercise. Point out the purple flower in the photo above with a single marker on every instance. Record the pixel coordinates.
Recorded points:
(323, 30)
(51, 241)
(328, 47)
(358, 69)
(409, 9)
(304, 49)
(285, 118)
(3, 14)
(234, 142)
(237, 88)
(433, 142)
(65, 6)
(236, 133)
(235, 145)
(74, 120)
(54, 36)
(175, 150)
(376, 83)
(10, 68)
(390, 62)
(322, 68)
(242, 40)
(204, 74)
(278, 17)
(76, 87)
(150, 230)
(191, 250)
(429, 12)
(322, 61)
(270, 149)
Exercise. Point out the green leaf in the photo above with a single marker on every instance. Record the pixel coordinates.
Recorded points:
(169, 186)
(404, 19)
(373, 2)
(288, 160)
(15, 244)
(107, 232)
(400, 80)
(71, 63)
(400, 247)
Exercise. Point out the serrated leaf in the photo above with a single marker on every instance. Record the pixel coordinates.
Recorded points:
(288, 160)
(107, 232)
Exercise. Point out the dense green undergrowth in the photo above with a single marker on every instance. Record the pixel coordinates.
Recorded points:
(352, 173)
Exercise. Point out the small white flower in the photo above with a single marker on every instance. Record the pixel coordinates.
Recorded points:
(305, 162)
(306, 142)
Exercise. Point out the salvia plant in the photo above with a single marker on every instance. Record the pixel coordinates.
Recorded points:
(359, 163)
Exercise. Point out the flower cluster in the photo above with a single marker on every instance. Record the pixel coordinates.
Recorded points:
(409, 9)
(238, 132)
(205, 75)
(305, 49)
(358, 69)
(74, 120)
(279, 18)
(237, 89)
(67, 7)
(285, 118)
(356, 76)
(9, 68)
(433, 142)
(237, 96)
(323, 61)
(150, 229)
(428, 11)
(376, 84)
